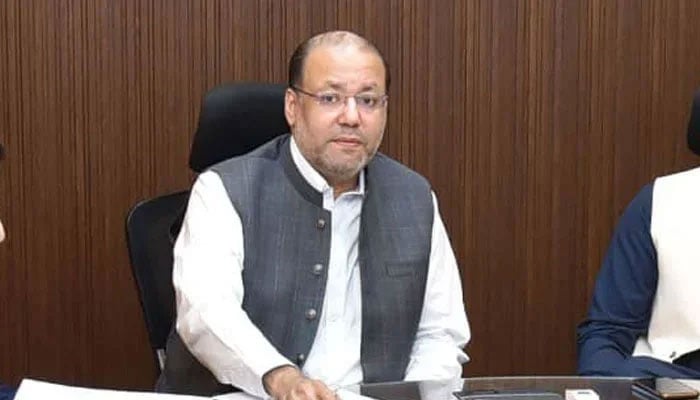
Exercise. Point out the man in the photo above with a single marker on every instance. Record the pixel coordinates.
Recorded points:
(314, 262)
(643, 317)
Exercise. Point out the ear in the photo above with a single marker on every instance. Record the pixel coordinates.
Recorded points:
(290, 107)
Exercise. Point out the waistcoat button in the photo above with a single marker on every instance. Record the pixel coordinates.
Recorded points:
(317, 269)
(310, 314)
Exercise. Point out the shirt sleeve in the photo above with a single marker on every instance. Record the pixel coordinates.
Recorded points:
(622, 299)
(443, 329)
(208, 262)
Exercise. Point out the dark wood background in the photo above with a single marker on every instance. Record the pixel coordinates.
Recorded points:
(536, 121)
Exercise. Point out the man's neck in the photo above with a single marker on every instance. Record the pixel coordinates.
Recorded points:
(343, 186)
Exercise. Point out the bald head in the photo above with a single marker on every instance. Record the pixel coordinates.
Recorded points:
(330, 39)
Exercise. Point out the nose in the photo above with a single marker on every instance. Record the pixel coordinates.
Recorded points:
(350, 115)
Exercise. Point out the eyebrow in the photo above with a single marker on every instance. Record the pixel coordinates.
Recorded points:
(342, 86)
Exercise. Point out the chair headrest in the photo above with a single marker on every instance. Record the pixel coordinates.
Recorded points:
(236, 118)
(694, 125)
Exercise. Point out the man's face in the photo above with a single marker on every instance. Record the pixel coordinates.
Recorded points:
(338, 138)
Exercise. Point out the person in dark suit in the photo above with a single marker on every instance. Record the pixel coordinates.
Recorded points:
(642, 321)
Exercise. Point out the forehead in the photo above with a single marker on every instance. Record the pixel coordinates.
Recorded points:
(346, 67)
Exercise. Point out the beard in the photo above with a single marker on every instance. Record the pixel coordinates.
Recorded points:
(335, 164)
(335, 169)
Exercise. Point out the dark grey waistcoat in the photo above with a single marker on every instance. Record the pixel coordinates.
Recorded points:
(287, 232)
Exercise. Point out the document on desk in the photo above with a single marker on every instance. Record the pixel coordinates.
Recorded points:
(31, 389)
(693, 383)
(343, 394)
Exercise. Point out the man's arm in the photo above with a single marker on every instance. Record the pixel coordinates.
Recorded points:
(622, 299)
(443, 329)
(209, 292)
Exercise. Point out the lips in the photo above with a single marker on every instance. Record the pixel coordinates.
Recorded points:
(348, 141)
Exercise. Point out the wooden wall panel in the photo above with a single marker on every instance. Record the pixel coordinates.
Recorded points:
(535, 120)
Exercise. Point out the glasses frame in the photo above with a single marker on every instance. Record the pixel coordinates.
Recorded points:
(383, 99)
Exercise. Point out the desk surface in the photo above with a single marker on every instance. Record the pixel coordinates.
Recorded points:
(607, 388)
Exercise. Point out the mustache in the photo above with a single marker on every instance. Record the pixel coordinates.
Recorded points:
(349, 134)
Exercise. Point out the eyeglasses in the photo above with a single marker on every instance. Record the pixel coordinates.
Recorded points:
(334, 101)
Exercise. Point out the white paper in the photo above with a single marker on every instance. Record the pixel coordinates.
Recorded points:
(693, 383)
(31, 389)
(236, 396)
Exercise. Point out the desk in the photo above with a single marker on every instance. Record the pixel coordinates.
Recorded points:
(607, 388)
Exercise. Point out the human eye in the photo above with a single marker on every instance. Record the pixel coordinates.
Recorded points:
(367, 100)
(328, 98)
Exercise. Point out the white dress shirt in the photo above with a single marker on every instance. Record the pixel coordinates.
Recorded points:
(207, 276)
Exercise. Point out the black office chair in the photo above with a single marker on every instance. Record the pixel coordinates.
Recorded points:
(151, 228)
(234, 119)
(694, 125)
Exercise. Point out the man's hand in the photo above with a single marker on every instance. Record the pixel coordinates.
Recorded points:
(288, 383)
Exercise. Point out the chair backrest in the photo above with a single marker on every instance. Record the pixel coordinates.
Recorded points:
(234, 119)
(151, 229)
(694, 125)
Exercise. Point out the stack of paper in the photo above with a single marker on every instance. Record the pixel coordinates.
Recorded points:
(31, 389)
